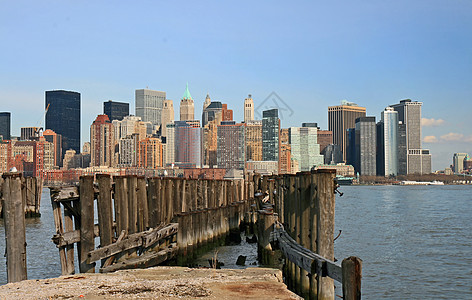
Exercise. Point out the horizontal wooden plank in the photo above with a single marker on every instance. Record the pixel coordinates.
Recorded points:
(65, 193)
(304, 258)
(71, 237)
(154, 236)
(148, 237)
(144, 261)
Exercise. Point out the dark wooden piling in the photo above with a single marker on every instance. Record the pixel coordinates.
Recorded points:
(86, 224)
(105, 212)
(14, 220)
(352, 274)
(153, 199)
(325, 229)
(143, 209)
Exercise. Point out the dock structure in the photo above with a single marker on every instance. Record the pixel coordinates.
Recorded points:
(142, 221)
(31, 189)
(298, 221)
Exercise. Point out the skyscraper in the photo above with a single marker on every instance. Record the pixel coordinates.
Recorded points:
(270, 135)
(149, 105)
(115, 110)
(340, 119)
(187, 144)
(102, 142)
(213, 112)
(412, 158)
(285, 154)
(254, 140)
(167, 116)
(5, 125)
(63, 117)
(387, 150)
(304, 147)
(56, 140)
(365, 139)
(187, 109)
(248, 109)
(458, 162)
(231, 152)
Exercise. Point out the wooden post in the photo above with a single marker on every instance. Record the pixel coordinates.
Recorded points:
(183, 193)
(69, 227)
(325, 230)
(153, 198)
(132, 204)
(177, 195)
(104, 206)
(169, 201)
(14, 220)
(314, 208)
(59, 227)
(352, 274)
(121, 204)
(87, 242)
(143, 209)
(305, 179)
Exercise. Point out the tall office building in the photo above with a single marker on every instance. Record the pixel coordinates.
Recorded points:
(304, 147)
(206, 102)
(115, 110)
(231, 152)
(340, 119)
(150, 153)
(149, 105)
(325, 138)
(187, 144)
(285, 154)
(5, 125)
(365, 143)
(412, 159)
(387, 139)
(56, 140)
(63, 117)
(167, 116)
(170, 144)
(187, 108)
(226, 114)
(270, 135)
(458, 162)
(212, 112)
(248, 109)
(254, 140)
(210, 144)
(102, 142)
(332, 154)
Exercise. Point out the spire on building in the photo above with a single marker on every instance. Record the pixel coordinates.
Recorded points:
(187, 93)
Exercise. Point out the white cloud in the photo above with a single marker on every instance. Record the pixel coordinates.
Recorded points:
(430, 139)
(431, 122)
(453, 137)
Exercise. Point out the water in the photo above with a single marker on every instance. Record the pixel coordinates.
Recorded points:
(415, 241)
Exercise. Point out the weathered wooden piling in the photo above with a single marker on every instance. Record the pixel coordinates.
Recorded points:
(105, 216)
(86, 224)
(14, 220)
(352, 274)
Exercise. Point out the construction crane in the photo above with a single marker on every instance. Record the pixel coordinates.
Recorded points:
(38, 127)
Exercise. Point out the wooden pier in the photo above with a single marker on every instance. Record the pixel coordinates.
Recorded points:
(144, 222)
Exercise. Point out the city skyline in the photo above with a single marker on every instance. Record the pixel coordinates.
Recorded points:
(312, 55)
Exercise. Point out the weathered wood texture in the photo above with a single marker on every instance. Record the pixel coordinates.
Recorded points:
(352, 274)
(14, 220)
(86, 225)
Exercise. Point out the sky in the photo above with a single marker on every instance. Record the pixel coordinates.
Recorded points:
(305, 55)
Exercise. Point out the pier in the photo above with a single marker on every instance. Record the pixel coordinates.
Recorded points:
(144, 222)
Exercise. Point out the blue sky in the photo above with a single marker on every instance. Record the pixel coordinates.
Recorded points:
(312, 54)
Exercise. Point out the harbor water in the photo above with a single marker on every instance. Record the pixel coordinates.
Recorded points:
(415, 241)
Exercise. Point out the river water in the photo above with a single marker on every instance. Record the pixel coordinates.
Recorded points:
(415, 241)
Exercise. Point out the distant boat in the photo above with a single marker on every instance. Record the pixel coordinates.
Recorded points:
(436, 183)
(410, 182)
